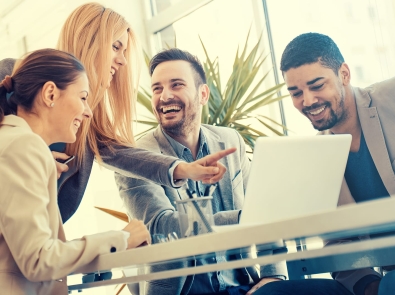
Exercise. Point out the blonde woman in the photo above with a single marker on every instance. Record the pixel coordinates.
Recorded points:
(109, 50)
(43, 102)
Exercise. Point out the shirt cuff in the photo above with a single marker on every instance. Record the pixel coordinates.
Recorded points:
(176, 183)
(281, 277)
(126, 236)
(360, 286)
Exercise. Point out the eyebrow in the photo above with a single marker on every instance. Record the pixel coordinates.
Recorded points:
(308, 83)
(171, 81)
(313, 81)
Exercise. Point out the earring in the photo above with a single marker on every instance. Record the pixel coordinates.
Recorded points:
(52, 104)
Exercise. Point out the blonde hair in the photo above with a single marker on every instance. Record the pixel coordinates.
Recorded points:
(89, 33)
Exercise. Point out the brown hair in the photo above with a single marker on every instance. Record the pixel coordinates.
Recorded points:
(178, 54)
(32, 73)
(89, 33)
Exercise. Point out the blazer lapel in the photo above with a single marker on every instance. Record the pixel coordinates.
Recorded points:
(224, 185)
(374, 137)
(166, 149)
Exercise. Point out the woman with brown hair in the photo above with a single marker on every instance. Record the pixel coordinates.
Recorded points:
(107, 46)
(44, 101)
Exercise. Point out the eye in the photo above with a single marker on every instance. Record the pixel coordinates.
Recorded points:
(84, 98)
(317, 87)
(296, 94)
(115, 47)
(177, 84)
(156, 89)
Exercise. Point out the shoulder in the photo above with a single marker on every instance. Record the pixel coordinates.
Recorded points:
(22, 145)
(6, 66)
(222, 133)
(382, 89)
(149, 141)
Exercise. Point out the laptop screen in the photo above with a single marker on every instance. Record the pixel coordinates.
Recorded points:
(294, 176)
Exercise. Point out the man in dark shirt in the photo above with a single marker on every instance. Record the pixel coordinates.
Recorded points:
(318, 80)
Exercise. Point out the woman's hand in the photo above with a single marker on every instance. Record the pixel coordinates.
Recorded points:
(207, 169)
(139, 234)
(59, 166)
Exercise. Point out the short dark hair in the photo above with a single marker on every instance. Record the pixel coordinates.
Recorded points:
(310, 48)
(178, 54)
(33, 72)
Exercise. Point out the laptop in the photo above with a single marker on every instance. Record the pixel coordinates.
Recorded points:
(294, 176)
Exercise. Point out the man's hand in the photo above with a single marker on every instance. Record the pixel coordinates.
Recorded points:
(372, 288)
(139, 234)
(261, 283)
(59, 166)
(207, 169)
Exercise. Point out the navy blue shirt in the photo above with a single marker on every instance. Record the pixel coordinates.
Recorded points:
(365, 184)
(362, 176)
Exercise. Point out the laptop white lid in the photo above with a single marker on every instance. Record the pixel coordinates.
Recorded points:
(294, 176)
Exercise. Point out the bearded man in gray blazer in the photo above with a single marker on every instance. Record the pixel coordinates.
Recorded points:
(319, 82)
(179, 93)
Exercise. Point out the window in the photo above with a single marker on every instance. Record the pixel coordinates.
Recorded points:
(363, 30)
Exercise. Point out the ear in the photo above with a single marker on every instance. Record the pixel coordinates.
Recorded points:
(344, 74)
(204, 94)
(50, 94)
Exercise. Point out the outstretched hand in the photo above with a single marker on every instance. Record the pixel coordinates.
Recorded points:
(207, 169)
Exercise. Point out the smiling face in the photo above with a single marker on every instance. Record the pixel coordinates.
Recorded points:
(70, 109)
(176, 101)
(118, 55)
(319, 94)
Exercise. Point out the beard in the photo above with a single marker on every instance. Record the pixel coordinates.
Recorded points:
(186, 124)
(335, 117)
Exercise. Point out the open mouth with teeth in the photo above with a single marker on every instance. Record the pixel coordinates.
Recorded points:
(317, 111)
(170, 109)
(77, 123)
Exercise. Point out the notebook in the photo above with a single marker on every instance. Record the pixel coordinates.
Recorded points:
(294, 176)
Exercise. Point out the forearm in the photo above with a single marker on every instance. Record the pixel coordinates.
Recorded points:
(148, 202)
(139, 163)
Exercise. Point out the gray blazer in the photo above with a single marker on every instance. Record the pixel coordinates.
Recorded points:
(155, 204)
(376, 112)
(131, 162)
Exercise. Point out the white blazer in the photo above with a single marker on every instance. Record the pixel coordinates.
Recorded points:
(35, 257)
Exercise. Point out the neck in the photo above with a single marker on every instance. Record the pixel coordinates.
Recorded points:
(36, 124)
(351, 124)
(190, 139)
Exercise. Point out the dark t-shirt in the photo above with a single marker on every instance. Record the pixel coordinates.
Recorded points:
(362, 176)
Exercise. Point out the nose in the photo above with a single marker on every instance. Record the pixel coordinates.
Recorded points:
(120, 59)
(166, 94)
(87, 111)
(309, 98)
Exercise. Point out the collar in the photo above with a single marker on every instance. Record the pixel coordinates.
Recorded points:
(180, 148)
(15, 121)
